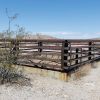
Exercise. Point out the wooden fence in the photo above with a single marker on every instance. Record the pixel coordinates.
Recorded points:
(53, 54)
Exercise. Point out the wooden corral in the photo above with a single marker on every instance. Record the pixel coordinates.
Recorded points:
(54, 54)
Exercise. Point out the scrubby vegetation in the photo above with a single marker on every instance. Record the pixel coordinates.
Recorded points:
(8, 58)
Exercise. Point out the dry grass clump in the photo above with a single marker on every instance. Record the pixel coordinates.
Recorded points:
(94, 65)
(13, 75)
(82, 71)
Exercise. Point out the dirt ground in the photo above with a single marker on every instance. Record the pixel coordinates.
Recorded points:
(44, 88)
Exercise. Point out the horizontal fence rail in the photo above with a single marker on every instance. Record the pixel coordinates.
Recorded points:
(53, 54)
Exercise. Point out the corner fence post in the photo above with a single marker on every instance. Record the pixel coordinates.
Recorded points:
(77, 50)
(89, 53)
(64, 54)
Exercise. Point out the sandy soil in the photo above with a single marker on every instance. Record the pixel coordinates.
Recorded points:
(44, 88)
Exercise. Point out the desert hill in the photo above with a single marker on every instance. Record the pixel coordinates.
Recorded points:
(38, 36)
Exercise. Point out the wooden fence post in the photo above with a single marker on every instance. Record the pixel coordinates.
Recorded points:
(77, 50)
(40, 45)
(15, 50)
(89, 53)
(64, 54)
(81, 56)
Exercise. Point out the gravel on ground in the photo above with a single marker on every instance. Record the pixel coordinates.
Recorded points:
(45, 88)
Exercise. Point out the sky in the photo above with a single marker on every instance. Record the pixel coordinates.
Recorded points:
(59, 18)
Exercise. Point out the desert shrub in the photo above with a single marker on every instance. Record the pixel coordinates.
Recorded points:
(8, 57)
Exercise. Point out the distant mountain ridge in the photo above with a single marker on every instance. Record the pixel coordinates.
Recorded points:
(38, 36)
